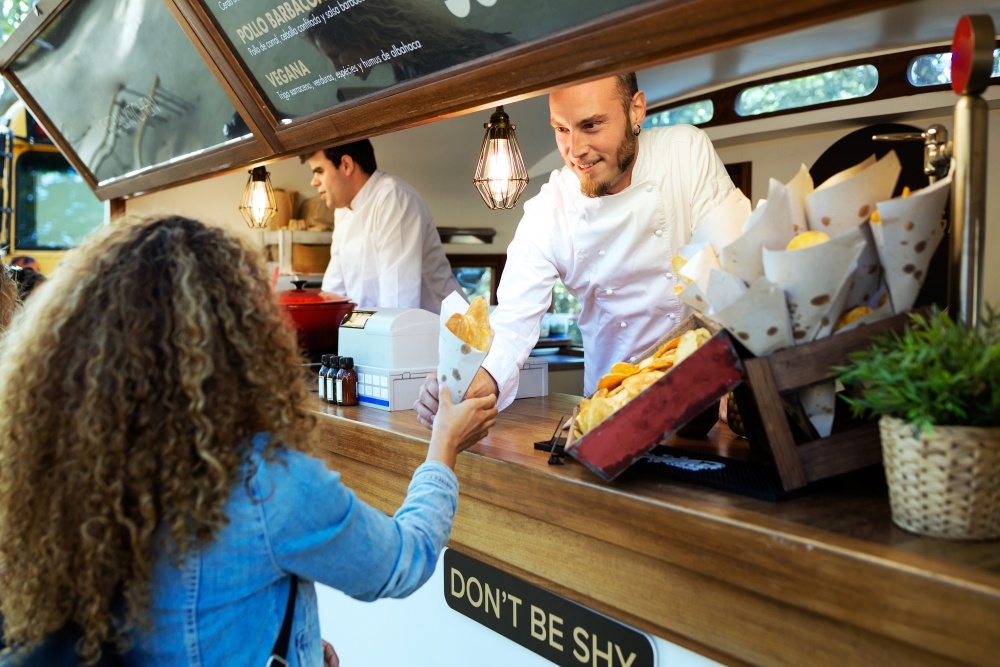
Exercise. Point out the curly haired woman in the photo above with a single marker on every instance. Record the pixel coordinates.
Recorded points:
(154, 455)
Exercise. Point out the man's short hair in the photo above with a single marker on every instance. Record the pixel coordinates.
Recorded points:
(628, 86)
(362, 152)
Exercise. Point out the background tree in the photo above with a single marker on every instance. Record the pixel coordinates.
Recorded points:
(12, 12)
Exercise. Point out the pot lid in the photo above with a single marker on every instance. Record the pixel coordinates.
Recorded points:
(303, 295)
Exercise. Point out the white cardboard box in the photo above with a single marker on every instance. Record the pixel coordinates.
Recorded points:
(387, 389)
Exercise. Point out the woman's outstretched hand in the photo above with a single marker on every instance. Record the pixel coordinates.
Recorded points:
(458, 426)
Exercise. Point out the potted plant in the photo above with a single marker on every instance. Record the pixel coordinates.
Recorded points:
(936, 389)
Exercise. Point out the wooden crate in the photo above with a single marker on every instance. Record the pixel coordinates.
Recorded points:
(769, 380)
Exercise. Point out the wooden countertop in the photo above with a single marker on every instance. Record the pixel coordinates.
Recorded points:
(821, 579)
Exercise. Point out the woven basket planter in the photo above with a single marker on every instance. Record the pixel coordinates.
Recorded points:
(945, 483)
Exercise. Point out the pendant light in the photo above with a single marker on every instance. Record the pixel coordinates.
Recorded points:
(500, 175)
(257, 204)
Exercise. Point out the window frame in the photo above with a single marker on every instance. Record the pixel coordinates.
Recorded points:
(892, 83)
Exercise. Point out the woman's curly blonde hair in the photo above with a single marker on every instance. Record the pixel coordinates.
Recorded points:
(131, 391)
(8, 298)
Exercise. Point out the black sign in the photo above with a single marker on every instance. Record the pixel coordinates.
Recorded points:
(310, 55)
(555, 628)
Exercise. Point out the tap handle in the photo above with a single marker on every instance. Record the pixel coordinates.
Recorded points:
(900, 136)
(937, 149)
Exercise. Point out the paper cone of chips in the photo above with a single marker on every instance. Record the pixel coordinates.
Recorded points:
(845, 201)
(698, 267)
(771, 225)
(741, 258)
(724, 223)
(464, 340)
(908, 233)
(815, 280)
(848, 202)
(758, 319)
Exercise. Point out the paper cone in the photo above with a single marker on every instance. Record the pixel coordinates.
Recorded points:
(700, 265)
(724, 223)
(723, 290)
(819, 402)
(694, 297)
(458, 361)
(800, 187)
(837, 208)
(842, 176)
(815, 281)
(910, 231)
(758, 319)
(742, 257)
(867, 277)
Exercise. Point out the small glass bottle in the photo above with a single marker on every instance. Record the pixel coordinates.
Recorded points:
(347, 382)
(324, 368)
(333, 361)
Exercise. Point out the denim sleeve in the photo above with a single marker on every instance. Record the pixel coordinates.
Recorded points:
(317, 528)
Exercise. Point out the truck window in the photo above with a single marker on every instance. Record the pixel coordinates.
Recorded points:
(54, 207)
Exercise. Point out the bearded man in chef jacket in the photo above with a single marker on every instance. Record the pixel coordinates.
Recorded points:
(607, 224)
(386, 251)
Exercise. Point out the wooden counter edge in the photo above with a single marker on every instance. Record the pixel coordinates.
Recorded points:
(911, 603)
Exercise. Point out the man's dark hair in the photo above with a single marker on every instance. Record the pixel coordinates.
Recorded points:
(628, 86)
(361, 152)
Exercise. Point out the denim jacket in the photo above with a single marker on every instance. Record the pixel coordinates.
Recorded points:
(293, 517)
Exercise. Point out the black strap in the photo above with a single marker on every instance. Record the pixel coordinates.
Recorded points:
(281, 644)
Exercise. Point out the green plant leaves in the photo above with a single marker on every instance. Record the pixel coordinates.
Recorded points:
(937, 371)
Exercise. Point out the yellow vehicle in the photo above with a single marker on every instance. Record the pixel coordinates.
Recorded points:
(46, 206)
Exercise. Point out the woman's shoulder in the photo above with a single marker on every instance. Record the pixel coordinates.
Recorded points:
(284, 470)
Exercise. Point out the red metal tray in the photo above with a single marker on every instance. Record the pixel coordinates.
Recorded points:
(683, 393)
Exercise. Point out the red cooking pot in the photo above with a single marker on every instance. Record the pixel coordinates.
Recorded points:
(316, 315)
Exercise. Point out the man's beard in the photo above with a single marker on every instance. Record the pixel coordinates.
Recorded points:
(624, 156)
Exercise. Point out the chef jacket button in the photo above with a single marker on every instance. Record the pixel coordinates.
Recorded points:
(632, 358)
(649, 187)
(671, 316)
(669, 275)
(608, 291)
(659, 232)
(623, 325)
(601, 253)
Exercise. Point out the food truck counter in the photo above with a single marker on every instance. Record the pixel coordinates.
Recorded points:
(824, 578)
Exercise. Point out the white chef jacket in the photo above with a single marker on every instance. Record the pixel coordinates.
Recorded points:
(386, 251)
(613, 254)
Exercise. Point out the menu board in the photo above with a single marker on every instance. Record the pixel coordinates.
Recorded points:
(309, 55)
(125, 87)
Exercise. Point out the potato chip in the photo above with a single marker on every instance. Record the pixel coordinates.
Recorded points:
(635, 384)
(662, 363)
(624, 368)
(807, 240)
(850, 316)
(611, 380)
(691, 341)
(666, 347)
(677, 263)
(625, 381)
(473, 327)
